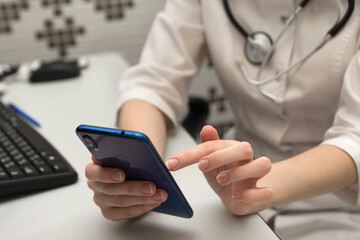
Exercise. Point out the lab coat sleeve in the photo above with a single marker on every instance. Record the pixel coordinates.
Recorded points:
(172, 55)
(345, 131)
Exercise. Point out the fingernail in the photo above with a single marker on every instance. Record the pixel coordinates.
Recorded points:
(117, 176)
(147, 188)
(172, 163)
(237, 195)
(204, 164)
(222, 177)
(159, 196)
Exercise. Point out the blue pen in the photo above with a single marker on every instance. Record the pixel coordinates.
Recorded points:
(24, 115)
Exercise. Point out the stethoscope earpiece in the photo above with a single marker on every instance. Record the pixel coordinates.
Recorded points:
(257, 47)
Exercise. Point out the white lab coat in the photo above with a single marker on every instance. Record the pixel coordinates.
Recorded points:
(322, 95)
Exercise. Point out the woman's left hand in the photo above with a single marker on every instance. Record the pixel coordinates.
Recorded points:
(230, 170)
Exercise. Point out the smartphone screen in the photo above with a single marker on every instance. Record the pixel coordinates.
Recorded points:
(134, 153)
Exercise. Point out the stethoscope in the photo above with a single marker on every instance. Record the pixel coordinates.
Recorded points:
(259, 46)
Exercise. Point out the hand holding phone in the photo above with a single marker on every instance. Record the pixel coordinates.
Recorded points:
(119, 198)
(141, 164)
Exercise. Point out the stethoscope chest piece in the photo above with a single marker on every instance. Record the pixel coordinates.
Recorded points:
(257, 47)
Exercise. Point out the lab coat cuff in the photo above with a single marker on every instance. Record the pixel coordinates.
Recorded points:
(152, 98)
(350, 194)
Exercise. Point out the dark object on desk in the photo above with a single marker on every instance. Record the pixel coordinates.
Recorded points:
(196, 117)
(57, 70)
(8, 71)
(28, 162)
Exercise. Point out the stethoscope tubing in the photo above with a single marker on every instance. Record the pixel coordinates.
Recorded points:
(331, 33)
(237, 24)
(335, 29)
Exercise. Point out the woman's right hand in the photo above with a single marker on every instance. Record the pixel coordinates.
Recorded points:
(120, 199)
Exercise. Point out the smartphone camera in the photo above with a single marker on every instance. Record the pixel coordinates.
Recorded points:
(90, 143)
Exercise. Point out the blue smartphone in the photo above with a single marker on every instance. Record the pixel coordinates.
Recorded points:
(134, 153)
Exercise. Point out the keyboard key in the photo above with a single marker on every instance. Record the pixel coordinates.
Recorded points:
(15, 172)
(23, 162)
(51, 158)
(30, 171)
(9, 165)
(38, 162)
(5, 160)
(4, 176)
(45, 169)
(58, 167)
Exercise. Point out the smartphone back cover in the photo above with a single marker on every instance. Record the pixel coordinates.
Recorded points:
(134, 153)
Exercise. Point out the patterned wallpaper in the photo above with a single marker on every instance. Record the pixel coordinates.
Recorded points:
(52, 29)
(48, 29)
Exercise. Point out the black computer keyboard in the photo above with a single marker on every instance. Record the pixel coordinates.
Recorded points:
(28, 162)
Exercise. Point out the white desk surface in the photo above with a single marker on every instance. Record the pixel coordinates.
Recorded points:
(69, 212)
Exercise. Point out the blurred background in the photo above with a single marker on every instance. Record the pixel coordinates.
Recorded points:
(54, 29)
